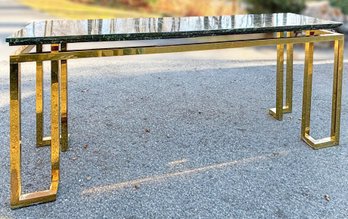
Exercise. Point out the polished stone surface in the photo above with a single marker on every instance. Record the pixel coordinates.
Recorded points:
(120, 29)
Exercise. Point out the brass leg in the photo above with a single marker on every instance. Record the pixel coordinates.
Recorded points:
(289, 79)
(64, 101)
(337, 91)
(307, 88)
(336, 98)
(277, 112)
(40, 139)
(289, 75)
(17, 198)
(15, 132)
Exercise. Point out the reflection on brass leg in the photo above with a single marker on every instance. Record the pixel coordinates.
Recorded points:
(55, 121)
(336, 98)
(15, 133)
(277, 112)
(337, 91)
(17, 198)
(64, 101)
(40, 140)
(307, 88)
(289, 75)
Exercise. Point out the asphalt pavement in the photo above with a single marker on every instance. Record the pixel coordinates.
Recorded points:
(183, 135)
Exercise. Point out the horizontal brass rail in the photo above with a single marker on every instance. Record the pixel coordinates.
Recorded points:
(155, 49)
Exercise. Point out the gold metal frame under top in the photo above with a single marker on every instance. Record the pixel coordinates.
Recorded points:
(59, 55)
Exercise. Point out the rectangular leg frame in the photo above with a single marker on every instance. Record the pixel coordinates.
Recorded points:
(278, 112)
(40, 139)
(17, 198)
(333, 139)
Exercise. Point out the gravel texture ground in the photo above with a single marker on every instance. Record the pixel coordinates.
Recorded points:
(163, 136)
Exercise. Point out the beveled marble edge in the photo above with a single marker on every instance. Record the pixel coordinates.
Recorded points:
(151, 36)
(13, 41)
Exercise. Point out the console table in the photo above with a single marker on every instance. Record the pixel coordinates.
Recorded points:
(204, 33)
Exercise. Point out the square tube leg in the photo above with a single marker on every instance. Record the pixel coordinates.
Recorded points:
(15, 132)
(64, 101)
(278, 112)
(333, 139)
(289, 75)
(17, 198)
(307, 88)
(40, 139)
(337, 91)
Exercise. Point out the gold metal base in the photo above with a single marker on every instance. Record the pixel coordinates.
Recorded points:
(46, 141)
(59, 55)
(34, 199)
(279, 110)
(17, 198)
(320, 143)
(333, 139)
(42, 141)
(273, 111)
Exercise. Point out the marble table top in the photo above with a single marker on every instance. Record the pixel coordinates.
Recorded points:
(120, 29)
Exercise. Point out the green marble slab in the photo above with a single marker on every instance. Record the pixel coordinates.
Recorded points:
(120, 29)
